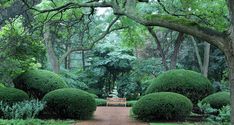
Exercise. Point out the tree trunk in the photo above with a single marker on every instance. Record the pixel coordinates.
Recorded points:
(230, 58)
(69, 61)
(205, 64)
(197, 54)
(229, 53)
(49, 48)
(66, 59)
(160, 49)
(83, 59)
(206, 59)
(52, 58)
(177, 45)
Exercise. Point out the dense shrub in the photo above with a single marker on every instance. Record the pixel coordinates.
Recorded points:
(93, 95)
(100, 102)
(69, 103)
(131, 103)
(12, 95)
(217, 100)
(39, 82)
(188, 83)
(21, 110)
(2, 85)
(162, 106)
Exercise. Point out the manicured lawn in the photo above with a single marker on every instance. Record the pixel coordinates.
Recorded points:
(36, 122)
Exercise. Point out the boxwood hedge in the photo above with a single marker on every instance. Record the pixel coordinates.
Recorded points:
(39, 82)
(188, 83)
(162, 106)
(69, 103)
(217, 100)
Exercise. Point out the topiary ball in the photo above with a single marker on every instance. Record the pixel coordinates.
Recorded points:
(69, 103)
(39, 82)
(163, 106)
(188, 83)
(217, 100)
(12, 95)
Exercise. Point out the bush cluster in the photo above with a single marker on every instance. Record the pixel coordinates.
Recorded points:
(12, 95)
(39, 82)
(21, 110)
(69, 103)
(217, 100)
(162, 106)
(188, 83)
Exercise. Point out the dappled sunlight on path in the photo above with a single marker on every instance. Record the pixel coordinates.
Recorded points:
(112, 116)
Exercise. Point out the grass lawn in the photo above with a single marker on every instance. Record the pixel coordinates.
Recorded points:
(35, 122)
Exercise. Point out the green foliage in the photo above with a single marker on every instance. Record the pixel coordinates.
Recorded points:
(5, 3)
(189, 83)
(12, 95)
(128, 87)
(163, 106)
(108, 62)
(2, 85)
(173, 19)
(213, 115)
(72, 81)
(20, 51)
(211, 13)
(131, 103)
(217, 100)
(35, 122)
(100, 102)
(39, 82)
(22, 110)
(93, 95)
(69, 103)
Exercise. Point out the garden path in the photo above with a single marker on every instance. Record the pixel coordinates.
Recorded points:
(112, 116)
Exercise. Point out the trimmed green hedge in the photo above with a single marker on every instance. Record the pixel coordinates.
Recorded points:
(93, 95)
(39, 82)
(100, 102)
(162, 106)
(217, 100)
(188, 83)
(131, 103)
(69, 103)
(12, 95)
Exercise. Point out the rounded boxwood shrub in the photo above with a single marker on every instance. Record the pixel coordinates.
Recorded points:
(12, 95)
(69, 103)
(217, 100)
(162, 106)
(188, 83)
(39, 82)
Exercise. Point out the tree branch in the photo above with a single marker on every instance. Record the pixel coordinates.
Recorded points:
(181, 25)
(103, 35)
(69, 6)
(162, 54)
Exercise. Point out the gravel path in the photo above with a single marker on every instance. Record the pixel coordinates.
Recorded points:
(111, 116)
